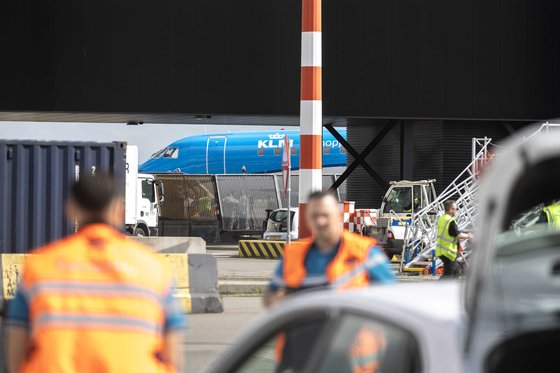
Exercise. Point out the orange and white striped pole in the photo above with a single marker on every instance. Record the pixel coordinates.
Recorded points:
(311, 109)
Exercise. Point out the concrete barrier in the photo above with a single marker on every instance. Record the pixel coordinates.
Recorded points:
(261, 249)
(189, 245)
(196, 277)
(203, 286)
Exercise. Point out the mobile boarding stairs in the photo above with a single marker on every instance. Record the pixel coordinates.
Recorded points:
(420, 236)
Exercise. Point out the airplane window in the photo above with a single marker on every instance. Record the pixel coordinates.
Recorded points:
(294, 151)
(260, 151)
(326, 149)
(159, 153)
(277, 151)
(171, 153)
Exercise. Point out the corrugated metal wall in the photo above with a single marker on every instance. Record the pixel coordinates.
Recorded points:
(384, 159)
(441, 150)
(34, 182)
(427, 158)
(457, 144)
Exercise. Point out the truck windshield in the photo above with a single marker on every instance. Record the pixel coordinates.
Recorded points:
(399, 200)
(148, 190)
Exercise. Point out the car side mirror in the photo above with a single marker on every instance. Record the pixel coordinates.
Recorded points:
(161, 191)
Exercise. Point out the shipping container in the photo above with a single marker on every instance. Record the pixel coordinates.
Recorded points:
(34, 183)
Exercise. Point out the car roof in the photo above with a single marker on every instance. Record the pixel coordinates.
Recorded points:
(430, 311)
(431, 300)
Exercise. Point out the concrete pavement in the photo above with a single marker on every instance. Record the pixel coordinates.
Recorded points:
(242, 276)
(250, 276)
(210, 333)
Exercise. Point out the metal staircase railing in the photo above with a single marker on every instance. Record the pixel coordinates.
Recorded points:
(420, 236)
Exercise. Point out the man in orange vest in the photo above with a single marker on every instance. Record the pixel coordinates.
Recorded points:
(332, 257)
(95, 301)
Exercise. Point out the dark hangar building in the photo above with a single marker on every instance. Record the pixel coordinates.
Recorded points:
(428, 75)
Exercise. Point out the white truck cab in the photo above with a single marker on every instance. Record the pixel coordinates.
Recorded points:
(276, 225)
(402, 200)
(143, 194)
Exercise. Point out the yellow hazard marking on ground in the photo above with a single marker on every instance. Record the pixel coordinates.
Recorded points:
(261, 249)
(179, 265)
(12, 265)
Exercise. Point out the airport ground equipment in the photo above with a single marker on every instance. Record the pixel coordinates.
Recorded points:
(420, 237)
(403, 200)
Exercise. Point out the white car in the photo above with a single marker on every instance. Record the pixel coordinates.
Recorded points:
(277, 227)
(419, 323)
(512, 293)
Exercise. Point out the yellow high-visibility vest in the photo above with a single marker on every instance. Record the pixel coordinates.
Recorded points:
(553, 215)
(446, 244)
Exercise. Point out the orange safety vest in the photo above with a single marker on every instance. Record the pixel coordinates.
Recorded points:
(368, 345)
(96, 304)
(366, 352)
(353, 252)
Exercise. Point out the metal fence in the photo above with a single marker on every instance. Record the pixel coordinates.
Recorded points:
(244, 200)
(328, 180)
(189, 197)
(238, 203)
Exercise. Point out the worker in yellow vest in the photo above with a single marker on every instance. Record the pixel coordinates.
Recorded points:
(95, 301)
(552, 215)
(448, 238)
(331, 257)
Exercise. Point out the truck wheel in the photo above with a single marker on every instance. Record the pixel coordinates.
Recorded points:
(140, 232)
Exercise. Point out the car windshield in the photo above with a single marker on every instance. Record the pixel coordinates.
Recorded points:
(527, 228)
(281, 215)
(526, 239)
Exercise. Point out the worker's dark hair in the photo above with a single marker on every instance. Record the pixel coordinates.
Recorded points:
(322, 194)
(94, 193)
(448, 204)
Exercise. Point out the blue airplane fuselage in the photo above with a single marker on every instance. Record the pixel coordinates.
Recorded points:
(229, 153)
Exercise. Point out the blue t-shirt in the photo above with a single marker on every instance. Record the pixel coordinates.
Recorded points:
(317, 261)
(18, 311)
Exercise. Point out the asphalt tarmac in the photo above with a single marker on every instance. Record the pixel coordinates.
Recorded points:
(208, 334)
